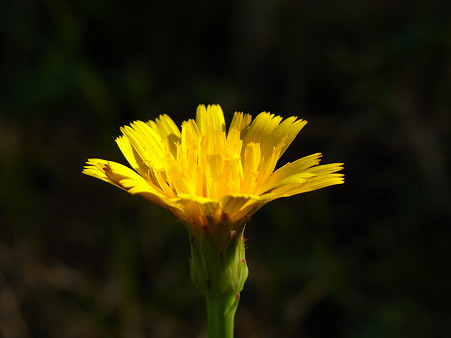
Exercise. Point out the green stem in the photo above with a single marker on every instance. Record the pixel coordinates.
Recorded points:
(221, 315)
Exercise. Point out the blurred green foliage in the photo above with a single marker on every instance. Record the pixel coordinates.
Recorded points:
(367, 259)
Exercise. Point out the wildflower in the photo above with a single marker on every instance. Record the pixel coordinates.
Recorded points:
(203, 174)
(213, 180)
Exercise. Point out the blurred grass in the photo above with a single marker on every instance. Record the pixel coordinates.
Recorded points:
(366, 259)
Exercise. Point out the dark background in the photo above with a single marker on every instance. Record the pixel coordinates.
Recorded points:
(370, 258)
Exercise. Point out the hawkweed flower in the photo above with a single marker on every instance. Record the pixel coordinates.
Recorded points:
(213, 180)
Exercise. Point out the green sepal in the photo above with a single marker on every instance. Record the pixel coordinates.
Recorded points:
(218, 264)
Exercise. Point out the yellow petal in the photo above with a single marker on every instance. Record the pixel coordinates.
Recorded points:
(296, 179)
(240, 122)
(251, 163)
(132, 156)
(95, 168)
(167, 127)
(260, 131)
(147, 143)
(168, 131)
(142, 189)
(210, 119)
(237, 206)
(285, 133)
(199, 210)
(326, 168)
(313, 183)
(288, 170)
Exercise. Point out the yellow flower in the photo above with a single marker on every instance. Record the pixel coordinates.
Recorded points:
(205, 175)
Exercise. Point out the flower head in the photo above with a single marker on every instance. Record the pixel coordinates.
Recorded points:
(206, 175)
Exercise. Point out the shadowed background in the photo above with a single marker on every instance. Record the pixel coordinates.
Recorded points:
(370, 258)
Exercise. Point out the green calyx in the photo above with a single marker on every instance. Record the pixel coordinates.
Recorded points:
(217, 264)
(218, 268)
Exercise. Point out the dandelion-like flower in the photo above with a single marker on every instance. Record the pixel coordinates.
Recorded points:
(204, 174)
(213, 180)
